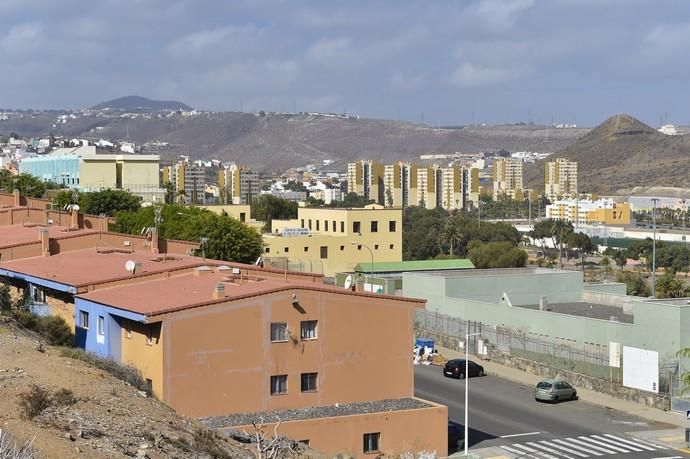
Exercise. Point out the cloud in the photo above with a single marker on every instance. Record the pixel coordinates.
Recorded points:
(469, 74)
(328, 49)
(22, 38)
(501, 14)
(400, 81)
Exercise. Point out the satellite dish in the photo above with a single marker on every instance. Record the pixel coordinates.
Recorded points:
(130, 265)
(75, 206)
(348, 281)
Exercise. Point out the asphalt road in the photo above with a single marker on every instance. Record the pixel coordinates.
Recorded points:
(503, 413)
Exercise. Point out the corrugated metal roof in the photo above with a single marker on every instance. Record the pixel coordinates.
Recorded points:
(414, 265)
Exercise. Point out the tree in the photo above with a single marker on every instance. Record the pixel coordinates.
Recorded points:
(267, 207)
(496, 255)
(542, 230)
(669, 286)
(584, 245)
(634, 283)
(421, 232)
(620, 258)
(228, 239)
(561, 231)
(27, 184)
(451, 232)
(106, 202)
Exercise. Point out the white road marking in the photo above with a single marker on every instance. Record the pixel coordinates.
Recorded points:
(546, 448)
(564, 448)
(669, 457)
(637, 442)
(515, 451)
(608, 443)
(520, 435)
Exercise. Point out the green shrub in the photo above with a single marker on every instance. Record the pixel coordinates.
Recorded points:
(34, 402)
(56, 331)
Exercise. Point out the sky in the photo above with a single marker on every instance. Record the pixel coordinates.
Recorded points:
(439, 62)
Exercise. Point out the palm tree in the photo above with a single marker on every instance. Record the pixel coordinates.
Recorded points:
(451, 232)
(560, 231)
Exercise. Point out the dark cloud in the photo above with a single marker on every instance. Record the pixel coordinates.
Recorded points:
(456, 62)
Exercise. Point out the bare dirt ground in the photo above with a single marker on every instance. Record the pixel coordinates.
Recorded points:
(108, 418)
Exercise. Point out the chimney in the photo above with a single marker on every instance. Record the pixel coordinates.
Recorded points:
(219, 291)
(45, 241)
(17, 198)
(543, 303)
(74, 221)
(154, 240)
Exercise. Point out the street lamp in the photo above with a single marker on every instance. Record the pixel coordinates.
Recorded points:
(655, 201)
(371, 267)
(479, 214)
(467, 385)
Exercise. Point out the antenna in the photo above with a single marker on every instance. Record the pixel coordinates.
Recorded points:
(348, 281)
(130, 266)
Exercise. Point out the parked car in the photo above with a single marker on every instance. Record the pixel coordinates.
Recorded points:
(554, 390)
(456, 369)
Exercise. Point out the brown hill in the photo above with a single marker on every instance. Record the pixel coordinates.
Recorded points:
(275, 141)
(620, 154)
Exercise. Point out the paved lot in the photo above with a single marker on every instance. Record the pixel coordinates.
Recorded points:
(506, 421)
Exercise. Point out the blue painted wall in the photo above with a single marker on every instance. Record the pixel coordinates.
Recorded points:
(108, 344)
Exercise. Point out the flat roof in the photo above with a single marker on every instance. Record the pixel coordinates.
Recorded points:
(585, 309)
(496, 272)
(415, 265)
(317, 412)
(13, 235)
(196, 288)
(93, 266)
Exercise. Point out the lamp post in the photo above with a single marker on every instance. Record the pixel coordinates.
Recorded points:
(479, 213)
(467, 386)
(654, 201)
(371, 267)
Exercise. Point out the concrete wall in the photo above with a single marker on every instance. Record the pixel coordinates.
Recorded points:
(406, 431)
(148, 358)
(95, 174)
(138, 174)
(31, 249)
(216, 349)
(614, 288)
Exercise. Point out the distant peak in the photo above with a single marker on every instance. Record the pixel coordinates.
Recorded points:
(138, 103)
(622, 124)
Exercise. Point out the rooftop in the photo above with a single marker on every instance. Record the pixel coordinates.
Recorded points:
(12, 235)
(415, 265)
(197, 288)
(496, 272)
(583, 309)
(92, 266)
(316, 412)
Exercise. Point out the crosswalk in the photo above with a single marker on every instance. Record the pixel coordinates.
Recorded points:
(581, 447)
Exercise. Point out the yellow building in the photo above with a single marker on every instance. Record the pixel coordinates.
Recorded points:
(329, 240)
(560, 178)
(507, 174)
(400, 184)
(587, 212)
(365, 178)
(238, 184)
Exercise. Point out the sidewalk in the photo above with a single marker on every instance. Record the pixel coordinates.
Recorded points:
(653, 414)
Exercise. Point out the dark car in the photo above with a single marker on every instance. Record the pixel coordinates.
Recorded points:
(455, 434)
(456, 369)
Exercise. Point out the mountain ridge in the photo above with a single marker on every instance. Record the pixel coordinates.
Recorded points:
(134, 103)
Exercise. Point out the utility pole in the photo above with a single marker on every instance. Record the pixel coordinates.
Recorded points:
(529, 211)
(655, 201)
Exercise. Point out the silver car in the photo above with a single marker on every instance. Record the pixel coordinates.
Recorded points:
(554, 390)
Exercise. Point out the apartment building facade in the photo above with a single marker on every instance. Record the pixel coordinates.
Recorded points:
(270, 346)
(587, 212)
(365, 178)
(400, 184)
(238, 184)
(330, 240)
(189, 181)
(507, 175)
(560, 178)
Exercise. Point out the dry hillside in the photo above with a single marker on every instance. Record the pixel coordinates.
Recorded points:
(623, 153)
(103, 418)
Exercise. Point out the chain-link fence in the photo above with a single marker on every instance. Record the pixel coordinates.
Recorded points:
(590, 359)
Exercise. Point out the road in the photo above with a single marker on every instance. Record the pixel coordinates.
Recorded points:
(504, 414)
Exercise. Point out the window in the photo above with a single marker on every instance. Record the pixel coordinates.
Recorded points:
(376, 246)
(308, 329)
(342, 227)
(268, 250)
(306, 249)
(325, 225)
(302, 223)
(372, 442)
(356, 227)
(36, 294)
(101, 325)
(374, 227)
(149, 336)
(310, 223)
(309, 382)
(334, 229)
(279, 331)
(278, 384)
(324, 252)
(84, 319)
(243, 216)
(392, 246)
(317, 224)
(391, 226)
(342, 247)
(286, 249)
(149, 385)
